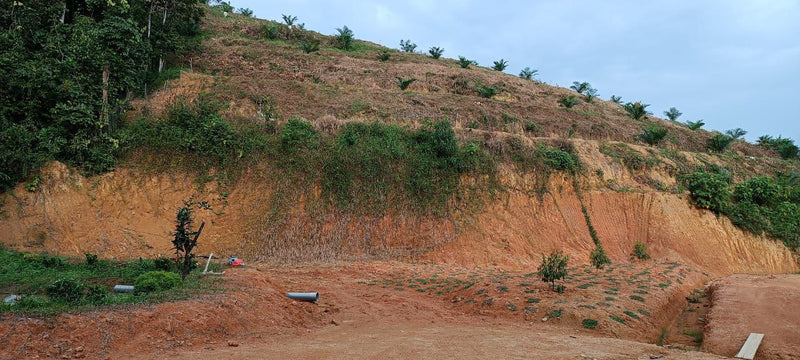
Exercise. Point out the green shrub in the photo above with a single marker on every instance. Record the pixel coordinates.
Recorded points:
(247, 12)
(435, 52)
(589, 323)
(297, 134)
(718, 143)
(616, 99)
(486, 91)
(617, 319)
(556, 313)
(96, 294)
(784, 146)
(51, 261)
(500, 65)
(384, 56)
(309, 46)
(569, 101)
(709, 190)
(344, 38)
(652, 134)
(270, 32)
(589, 95)
(640, 251)
(404, 83)
(631, 314)
(407, 46)
(673, 114)
(598, 257)
(153, 281)
(637, 298)
(559, 160)
(465, 63)
(636, 110)
(66, 290)
(164, 264)
(553, 267)
(529, 126)
(91, 259)
(528, 73)
(289, 20)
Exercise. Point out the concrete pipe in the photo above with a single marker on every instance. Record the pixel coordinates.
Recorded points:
(303, 296)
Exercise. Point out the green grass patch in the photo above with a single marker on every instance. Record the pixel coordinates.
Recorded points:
(52, 284)
(643, 312)
(589, 323)
(696, 335)
(631, 314)
(637, 298)
(532, 300)
(556, 313)
(617, 319)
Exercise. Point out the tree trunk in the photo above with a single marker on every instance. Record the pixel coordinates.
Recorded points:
(149, 19)
(106, 73)
(64, 12)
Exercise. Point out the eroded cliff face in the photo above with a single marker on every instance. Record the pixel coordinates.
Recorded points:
(127, 214)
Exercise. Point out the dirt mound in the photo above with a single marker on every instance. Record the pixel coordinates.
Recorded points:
(743, 304)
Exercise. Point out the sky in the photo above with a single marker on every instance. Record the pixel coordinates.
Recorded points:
(732, 63)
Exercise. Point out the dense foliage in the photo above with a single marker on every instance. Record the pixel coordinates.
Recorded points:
(68, 69)
(759, 205)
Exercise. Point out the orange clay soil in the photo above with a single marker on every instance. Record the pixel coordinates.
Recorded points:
(744, 304)
(386, 309)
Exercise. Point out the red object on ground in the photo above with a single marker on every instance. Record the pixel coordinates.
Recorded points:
(237, 263)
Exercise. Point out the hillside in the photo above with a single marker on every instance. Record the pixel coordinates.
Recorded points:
(320, 160)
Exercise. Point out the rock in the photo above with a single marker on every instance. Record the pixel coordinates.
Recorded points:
(488, 302)
(333, 322)
(544, 319)
(232, 343)
(659, 356)
(11, 299)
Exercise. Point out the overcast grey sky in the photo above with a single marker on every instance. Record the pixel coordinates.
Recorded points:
(733, 63)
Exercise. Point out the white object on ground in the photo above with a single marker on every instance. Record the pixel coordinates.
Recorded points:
(750, 346)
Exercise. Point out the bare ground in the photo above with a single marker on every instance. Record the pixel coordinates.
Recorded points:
(743, 304)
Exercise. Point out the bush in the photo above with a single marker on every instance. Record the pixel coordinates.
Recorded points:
(164, 264)
(652, 134)
(486, 91)
(694, 125)
(297, 134)
(639, 251)
(153, 281)
(553, 267)
(598, 257)
(569, 101)
(435, 52)
(500, 65)
(784, 146)
(709, 190)
(407, 46)
(66, 290)
(636, 110)
(91, 259)
(246, 12)
(344, 38)
(289, 20)
(673, 114)
(309, 46)
(528, 73)
(589, 323)
(762, 191)
(404, 83)
(718, 143)
(465, 63)
(616, 99)
(559, 160)
(590, 95)
(270, 32)
(384, 56)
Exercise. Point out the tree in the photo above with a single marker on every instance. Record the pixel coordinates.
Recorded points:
(598, 257)
(694, 125)
(407, 46)
(185, 239)
(736, 133)
(652, 134)
(289, 20)
(639, 251)
(465, 63)
(528, 73)
(246, 12)
(616, 99)
(500, 65)
(718, 143)
(404, 83)
(636, 110)
(344, 38)
(435, 52)
(672, 114)
(580, 87)
(553, 267)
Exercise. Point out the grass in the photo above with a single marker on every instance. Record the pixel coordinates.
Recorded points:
(556, 313)
(632, 314)
(637, 298)
(532, 301)
(589, 323)
(696, 335)
(617, 319)
(29, 275)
